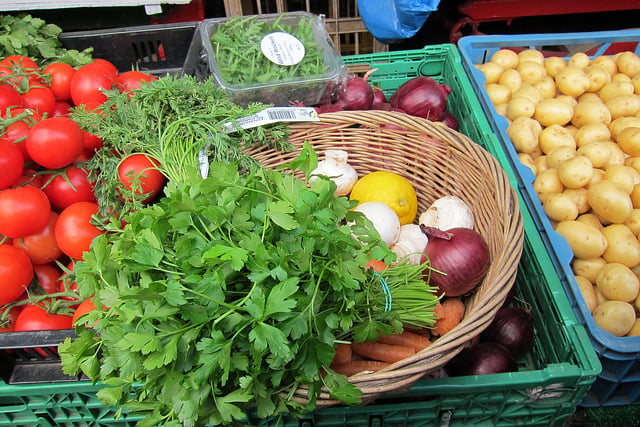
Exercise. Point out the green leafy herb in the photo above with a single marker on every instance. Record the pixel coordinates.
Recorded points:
(229, 294)
(26, 35)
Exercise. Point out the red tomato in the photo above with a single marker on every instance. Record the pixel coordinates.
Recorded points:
(30, 177)
(74, 230)
(55, 142)
(9, 324)
(107, 65)
(23, 211)
(131, 80)
(69, 186)
(34, 317)
(89, 81)
(40, 99)
(9, 97)
(41, 247)
(61, 108)
(16, 273)
(92, 142)
(140, 173)
(21, 61)
(61, 75)
(48, 276)
(11, 163)
(85, 307)
(16, 133)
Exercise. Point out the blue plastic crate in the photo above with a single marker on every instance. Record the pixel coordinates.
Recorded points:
(619, 382)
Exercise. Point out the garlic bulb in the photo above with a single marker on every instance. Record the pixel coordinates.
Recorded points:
(410, 244)
(336, 168)
(448, 212)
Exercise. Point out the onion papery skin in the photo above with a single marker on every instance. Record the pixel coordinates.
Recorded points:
(465, 259)
(512, 328)
(422, 96)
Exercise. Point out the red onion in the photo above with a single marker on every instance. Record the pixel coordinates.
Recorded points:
(378, 95)
(357, 95)
(461, 253)
(450, 120)
(422, 96)
(513, 329)
(481, 359)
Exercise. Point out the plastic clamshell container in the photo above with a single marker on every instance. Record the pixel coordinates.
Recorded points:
(619, 382)
(307, 89)
(159, 49)
(552, 378)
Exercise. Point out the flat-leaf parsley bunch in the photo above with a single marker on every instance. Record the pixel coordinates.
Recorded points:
(228, 294)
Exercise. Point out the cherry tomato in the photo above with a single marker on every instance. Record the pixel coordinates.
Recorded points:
(140, 173)
(9, 97)
(55, 142)
(132, 80)
(41, 247)
(74, 230)
(16, 273)
(48, 276)
(89, 81)
(83, 308)
(34, 317)
(68, 186)
(40, 99)
(23, 211)
(11, 163)
(61, 75)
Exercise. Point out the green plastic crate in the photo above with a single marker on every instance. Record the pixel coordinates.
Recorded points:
(552, 378)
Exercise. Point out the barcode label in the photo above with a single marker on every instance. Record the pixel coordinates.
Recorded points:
(272, 115)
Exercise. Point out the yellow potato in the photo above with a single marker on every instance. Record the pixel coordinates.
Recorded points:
(628, 63)
(635, 196)
(506, 58)
(547, 87)
(553, 64)
(524, 132)
(492, 72)
(620, 77)
(579, 196)
(599, 297)
(617, 282)
(598, 77)
(527, 160)
(635, 329)
(531, 55)
(559, 155)
(633, 161)
(606, 62)
(588, 268)
(572, 81)
(540, 164)
(628, 140)
(635, 81)
(590, 112)
(637, 303)
(617, 155)
(618, 125)
(552, 111)
(501, 109)
(610, 202)
(633, 223)
(615, 317)
(498, 93)
(623, 105)
(622, 246)
(584, 240)
(575, 172)
(520, 106)
(555, 136)
(531, 71)
(547, 182)
(511, 79)
(592, 132)
(623, 176)
(586, 289)
(615, 88)
(560, 207)
(598, 176)
(590, 218)
(580, 60)
(596, 151)
(528, 91)
(589, 96)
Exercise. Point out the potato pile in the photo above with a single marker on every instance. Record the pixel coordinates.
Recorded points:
(575, 122)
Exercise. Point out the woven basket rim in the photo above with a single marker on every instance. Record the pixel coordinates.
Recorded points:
(406, 372)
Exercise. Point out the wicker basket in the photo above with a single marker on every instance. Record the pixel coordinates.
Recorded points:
(438, 161)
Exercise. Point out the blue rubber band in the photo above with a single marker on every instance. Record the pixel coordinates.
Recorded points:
(388, 300)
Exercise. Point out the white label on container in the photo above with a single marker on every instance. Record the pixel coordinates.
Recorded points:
(282, 48)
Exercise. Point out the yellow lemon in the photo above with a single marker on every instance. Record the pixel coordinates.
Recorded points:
(391, 189)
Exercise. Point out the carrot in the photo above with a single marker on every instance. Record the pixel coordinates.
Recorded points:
(343, 353)
(407, 339)
(382, 352)
(355, 366)
(448, 313)
(425, 332)
(377, 265)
